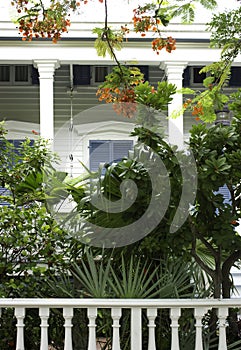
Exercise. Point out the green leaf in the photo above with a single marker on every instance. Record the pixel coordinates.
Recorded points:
(208, 81)
(186, 91)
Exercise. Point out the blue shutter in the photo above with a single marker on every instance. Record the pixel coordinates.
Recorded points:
(3, 192)
(186, 77)
(145, 71)
(224, 191)
(108, 151)
(35, 76)
(120, 149)
(99, 153)
(81, 74)
(226, 194)
(17, 145)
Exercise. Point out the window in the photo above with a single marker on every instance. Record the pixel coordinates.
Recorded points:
(15, 74)
(99, 73)
(108, 151)
(95, 75)
(89, 75)
(21, 74)
(235, 79)
(192, 76)
(5, 74)
(196, 76)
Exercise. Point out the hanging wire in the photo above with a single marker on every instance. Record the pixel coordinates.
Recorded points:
(71, 122)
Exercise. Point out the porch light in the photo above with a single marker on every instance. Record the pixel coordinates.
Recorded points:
(223, 116)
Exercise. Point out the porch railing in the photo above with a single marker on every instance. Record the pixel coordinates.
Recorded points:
(116, 307)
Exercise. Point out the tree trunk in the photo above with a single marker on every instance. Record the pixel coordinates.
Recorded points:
(226, 285)
(217, 282)
(232, 330)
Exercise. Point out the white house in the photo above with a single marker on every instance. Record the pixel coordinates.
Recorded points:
(36, 78)
(51, 88)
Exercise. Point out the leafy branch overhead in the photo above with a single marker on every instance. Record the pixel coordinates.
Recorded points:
(125, 88)
(37, 20)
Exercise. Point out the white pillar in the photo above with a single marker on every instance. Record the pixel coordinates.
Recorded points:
(222, 317)
(174, 72)
(116, 315)
(20, 313)
(136, 328)
(68, 314)
(174, 315)
(44, 315)
(151, 315)
(46, 70)
(92, 314)
(199, 314)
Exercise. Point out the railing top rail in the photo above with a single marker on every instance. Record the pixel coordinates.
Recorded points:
(124, 303)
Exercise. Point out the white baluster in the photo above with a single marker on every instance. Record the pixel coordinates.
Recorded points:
(92, 314)
(198, 314)
(68, 315)
(116, 315)
(222, 315)
(175, 314)
(19, 314)
(44, 315)
(151, 314)
(136, 329)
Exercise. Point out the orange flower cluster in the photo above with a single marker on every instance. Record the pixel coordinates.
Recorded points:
(125, 30)
(110, 95)
(170, 44)
(125, 109)
(123, 99)
(187, 103)
(144, 23)
(43, 29)
(159, 43)
(37, 22)
(198, 111)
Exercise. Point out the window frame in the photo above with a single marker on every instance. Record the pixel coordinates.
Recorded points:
(192, 76)
(12, 75)
(93, 81)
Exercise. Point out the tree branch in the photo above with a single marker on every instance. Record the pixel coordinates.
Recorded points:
(228, 263)
(108, 39)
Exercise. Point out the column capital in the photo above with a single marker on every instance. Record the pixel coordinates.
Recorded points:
(46, 68)
(171, 67)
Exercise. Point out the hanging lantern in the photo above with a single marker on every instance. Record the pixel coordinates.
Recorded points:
(223, 116)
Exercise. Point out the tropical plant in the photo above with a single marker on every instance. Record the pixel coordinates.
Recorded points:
(100, 276)
(211, 222)
(32, 245)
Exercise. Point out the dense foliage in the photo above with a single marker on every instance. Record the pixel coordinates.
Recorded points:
(211, 222)
(31, 243)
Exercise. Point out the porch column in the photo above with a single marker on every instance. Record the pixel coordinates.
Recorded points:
(46, 70)
(174, 72)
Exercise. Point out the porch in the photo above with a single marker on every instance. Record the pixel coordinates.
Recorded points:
(136, 307)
